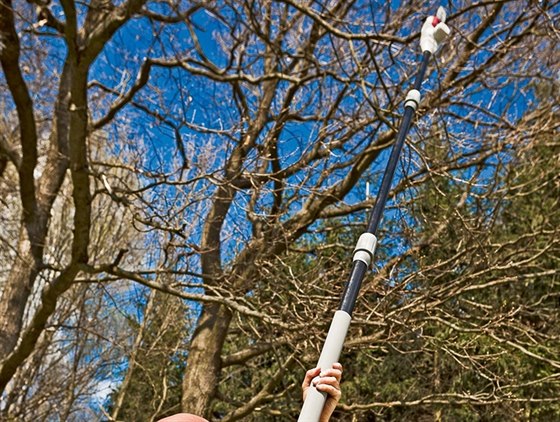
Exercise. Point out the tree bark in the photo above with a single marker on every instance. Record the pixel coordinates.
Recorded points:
(15, 294)
(204, 362)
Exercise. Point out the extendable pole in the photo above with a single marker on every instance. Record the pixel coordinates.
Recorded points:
(434, 31)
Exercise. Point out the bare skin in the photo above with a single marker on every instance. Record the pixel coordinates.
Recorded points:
(328, 382)
(183, 417)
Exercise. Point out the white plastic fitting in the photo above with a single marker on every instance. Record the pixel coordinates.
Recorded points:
(412, 99)
(434, 31)
(365, 248)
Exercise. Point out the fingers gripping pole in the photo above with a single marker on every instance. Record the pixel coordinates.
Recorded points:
(315, 400)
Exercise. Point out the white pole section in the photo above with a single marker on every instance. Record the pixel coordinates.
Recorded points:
(313, 406)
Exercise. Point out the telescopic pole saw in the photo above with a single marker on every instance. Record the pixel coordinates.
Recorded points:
(434, 31)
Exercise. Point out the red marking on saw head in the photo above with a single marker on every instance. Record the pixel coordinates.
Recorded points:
(435, 21)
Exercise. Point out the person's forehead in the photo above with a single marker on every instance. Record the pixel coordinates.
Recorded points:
(183, 417)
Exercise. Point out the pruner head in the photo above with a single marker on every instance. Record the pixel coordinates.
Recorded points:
(434, 31)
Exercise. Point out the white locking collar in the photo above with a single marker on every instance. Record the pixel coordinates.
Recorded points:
(412, 99)
(365, 248)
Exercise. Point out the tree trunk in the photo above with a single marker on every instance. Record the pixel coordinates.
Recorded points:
(204, 362)
(123, 389)
(15, 294)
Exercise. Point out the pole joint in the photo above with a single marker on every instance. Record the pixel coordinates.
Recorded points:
(365, 248)
(412, 99)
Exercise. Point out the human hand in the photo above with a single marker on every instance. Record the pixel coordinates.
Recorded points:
(327, 381)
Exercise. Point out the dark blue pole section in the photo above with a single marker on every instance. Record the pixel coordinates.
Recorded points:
(383, 194)
(359, 268)
(422, 72)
